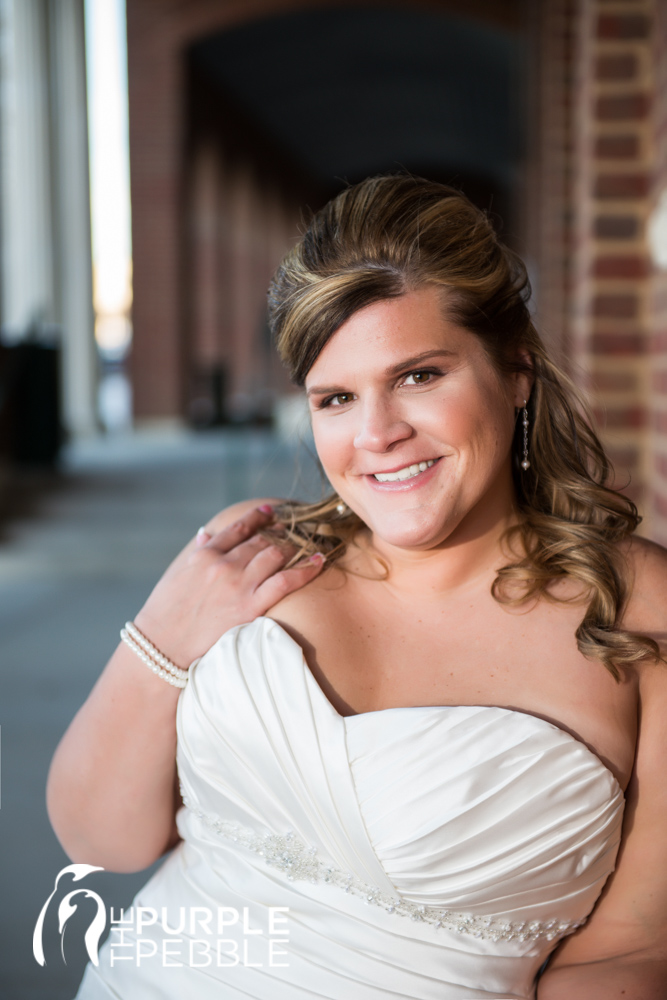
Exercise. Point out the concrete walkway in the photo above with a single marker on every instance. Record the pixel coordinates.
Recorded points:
(71, 573)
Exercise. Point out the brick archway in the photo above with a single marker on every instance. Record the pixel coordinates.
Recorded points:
(159, 35)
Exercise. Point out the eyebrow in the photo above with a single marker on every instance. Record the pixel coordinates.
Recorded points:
(408, 363)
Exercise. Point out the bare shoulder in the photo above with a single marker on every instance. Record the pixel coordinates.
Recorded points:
(646, 613)
(232, 513)
(646, 609)
(631, 914)
(328, 606)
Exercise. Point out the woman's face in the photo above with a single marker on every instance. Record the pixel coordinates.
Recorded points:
(412, 423)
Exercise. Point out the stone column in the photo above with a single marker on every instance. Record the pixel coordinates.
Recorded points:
(156, 87)
(202, 299)
(72, 198)
(204, 226)
(547, 210)
(244, 292)
(46, 252)
(28, 285)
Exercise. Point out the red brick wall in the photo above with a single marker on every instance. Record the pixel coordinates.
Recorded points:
(598, 167)
(611, 287)
(659, 292)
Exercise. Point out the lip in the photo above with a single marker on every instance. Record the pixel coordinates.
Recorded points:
(403, 465)
(414, 482)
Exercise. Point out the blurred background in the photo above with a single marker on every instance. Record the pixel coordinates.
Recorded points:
(157, 159)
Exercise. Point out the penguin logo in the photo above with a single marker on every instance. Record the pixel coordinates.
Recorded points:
(65, 911)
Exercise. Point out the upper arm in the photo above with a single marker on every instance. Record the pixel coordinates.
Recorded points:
(631, 915)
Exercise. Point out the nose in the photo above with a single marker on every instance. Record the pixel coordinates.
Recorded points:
(380, 426)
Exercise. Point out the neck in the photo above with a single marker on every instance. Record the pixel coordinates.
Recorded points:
(470, 554)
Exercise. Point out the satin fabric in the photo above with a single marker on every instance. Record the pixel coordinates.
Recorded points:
(493, 813)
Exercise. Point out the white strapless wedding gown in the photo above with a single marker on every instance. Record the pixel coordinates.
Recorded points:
(437, 853)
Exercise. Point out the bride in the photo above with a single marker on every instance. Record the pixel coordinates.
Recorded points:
(422, 715)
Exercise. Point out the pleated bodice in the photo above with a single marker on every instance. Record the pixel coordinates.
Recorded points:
(428, 852)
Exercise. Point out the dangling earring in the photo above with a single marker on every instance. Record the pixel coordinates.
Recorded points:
(342, 508)
(525, 465)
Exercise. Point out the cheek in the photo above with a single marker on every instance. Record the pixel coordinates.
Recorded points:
(458, 418)
(495, 431)
(478, 423)
(332, 445)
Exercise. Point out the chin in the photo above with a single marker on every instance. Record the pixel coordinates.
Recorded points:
(405, 534)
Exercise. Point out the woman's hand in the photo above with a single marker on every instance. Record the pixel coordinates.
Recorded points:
(112, 794)
(226, 576)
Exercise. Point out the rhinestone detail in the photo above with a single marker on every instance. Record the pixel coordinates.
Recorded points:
(299, 862)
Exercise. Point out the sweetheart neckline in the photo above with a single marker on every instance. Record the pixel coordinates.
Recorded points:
(407, 708)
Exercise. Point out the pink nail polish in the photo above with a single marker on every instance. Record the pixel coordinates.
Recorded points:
(266, 508)
(318, 558)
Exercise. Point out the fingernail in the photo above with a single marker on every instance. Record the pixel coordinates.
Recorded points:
(266, 508)
(318, 558)
(202, 537)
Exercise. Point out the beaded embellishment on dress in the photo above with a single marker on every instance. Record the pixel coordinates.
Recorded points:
(299, 862)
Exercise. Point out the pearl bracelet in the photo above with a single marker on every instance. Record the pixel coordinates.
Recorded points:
(152, 657)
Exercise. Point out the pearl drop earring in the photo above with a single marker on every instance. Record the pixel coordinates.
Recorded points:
(525, 464)
(342, 508)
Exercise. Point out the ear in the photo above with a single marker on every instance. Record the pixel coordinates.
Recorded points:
(523, 380)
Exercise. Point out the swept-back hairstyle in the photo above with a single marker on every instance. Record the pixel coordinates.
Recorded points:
(393, 234)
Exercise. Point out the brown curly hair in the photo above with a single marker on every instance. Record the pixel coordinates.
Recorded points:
(392, 234)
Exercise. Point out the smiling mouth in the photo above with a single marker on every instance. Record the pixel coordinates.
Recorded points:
(408, 472)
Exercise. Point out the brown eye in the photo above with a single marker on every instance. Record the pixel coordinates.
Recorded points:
(419, 378)
(340, 399)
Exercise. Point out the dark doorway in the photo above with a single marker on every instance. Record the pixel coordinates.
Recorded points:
(298, 105)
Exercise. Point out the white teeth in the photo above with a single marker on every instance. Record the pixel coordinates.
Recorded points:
(407, 473)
